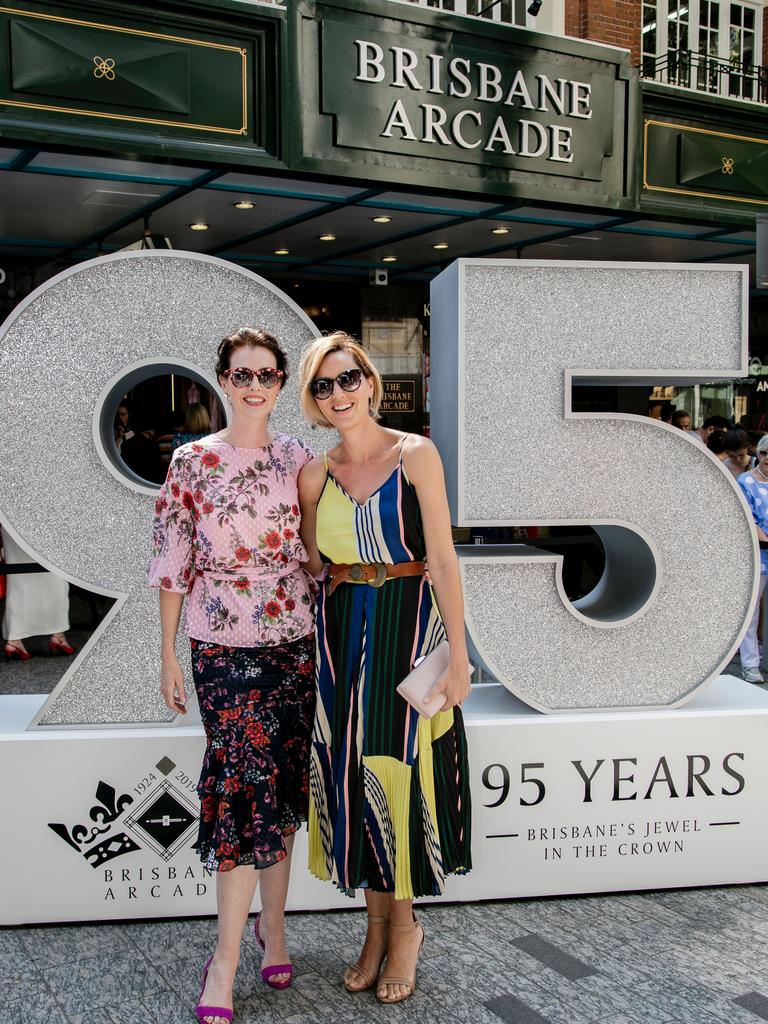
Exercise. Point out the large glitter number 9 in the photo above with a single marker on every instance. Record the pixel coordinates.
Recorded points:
(68, 354)
(508, 340)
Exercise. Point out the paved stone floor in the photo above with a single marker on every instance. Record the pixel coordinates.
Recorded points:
(689, 957)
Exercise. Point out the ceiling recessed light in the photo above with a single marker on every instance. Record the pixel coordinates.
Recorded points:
(499, 231)
(328, 238)
(199, 226)
(282, 252)
(381, 220)
(440, 245)
(591, 238)
(244, 204)
(389, 259)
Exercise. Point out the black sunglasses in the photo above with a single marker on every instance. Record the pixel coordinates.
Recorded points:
(348, 380)
(242, 377)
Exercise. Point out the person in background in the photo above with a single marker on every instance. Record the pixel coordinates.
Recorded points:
(36, 604)
(141, 453)
(123, 430)
(682, 420)
(667, 412)
(710, 425)
(197, 424)
(173, 425)
(754, 484)
(716, 444)
(738, 459)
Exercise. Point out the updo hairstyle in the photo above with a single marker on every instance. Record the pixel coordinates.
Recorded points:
(250, 337)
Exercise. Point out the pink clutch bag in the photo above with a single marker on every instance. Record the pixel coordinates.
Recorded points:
(426, 672)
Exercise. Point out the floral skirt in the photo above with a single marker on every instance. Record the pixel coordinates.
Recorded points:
(257, 705)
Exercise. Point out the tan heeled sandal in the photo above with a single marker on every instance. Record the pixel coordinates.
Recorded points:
(388, 979)
(368, 979)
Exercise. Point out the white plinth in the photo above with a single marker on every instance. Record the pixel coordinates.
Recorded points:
(627, 832)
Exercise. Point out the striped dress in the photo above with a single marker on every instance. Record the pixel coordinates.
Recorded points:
(389, 790)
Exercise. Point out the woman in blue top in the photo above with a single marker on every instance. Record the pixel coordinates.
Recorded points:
(754, 484)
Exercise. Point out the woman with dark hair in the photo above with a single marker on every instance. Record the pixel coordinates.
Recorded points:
(390, 799)
(227, 535)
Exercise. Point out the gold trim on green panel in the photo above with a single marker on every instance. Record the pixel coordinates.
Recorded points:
(117, 28)
(243, 130)
(689, 192)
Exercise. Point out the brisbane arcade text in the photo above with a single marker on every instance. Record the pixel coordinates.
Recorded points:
(478, 82)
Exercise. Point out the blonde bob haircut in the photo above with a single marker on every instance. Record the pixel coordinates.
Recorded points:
(310, 364)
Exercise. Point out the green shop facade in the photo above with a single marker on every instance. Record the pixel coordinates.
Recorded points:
(348, 150)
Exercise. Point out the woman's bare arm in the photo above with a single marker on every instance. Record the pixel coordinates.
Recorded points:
(311, 483)
(171, 676)
(425, 471)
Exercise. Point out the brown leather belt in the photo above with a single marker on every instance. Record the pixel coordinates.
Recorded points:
(374, 575)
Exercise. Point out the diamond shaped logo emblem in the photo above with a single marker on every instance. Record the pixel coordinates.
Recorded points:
(163, 820)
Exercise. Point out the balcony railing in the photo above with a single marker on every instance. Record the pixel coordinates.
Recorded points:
(703, 73)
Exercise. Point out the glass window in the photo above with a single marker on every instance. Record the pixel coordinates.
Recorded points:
(708, 45)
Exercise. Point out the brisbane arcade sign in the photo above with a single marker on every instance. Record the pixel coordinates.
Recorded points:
(472, 101)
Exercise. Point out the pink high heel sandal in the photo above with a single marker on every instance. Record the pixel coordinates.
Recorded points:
(209, 1011)
(268, 973)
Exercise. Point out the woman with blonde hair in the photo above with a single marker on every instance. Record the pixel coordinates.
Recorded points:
(389, 790)
(197, 424)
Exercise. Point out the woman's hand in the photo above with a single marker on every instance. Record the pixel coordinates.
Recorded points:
(454, 683)
(172, 684)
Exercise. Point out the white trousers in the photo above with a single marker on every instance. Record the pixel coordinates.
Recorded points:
(37, 604)
(749, 652)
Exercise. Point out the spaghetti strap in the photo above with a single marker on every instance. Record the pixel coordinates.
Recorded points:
(325, 461)
(400, 448)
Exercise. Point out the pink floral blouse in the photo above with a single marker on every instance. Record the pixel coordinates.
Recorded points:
(226, 532)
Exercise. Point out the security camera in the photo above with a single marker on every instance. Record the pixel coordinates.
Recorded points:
(379, 277)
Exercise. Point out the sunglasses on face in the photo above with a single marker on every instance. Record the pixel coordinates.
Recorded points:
(242, 377)
(348, 380)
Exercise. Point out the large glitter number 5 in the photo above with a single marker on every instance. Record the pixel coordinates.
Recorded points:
(68, 353)
(508, 340)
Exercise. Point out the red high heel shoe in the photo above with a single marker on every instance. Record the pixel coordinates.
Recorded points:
(12, 651)
(59, 647)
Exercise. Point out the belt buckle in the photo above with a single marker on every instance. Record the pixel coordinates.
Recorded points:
(381, 576)
(356, 573)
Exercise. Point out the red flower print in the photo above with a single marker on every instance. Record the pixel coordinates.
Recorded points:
(272, 609)
(243, 554)
(295, 509)
(165, 583)
(280, 593)
(208, 808)
(211, 460)
(289, 534)
(207, 507)
(175, 490)
(290, 604)
(272, 539)
(199, 496)
(241, 584)
(186, 574)
(227, 865)
(226, 848)
(187, 500)
(254, 733)
(197, 447)
(160, 504)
